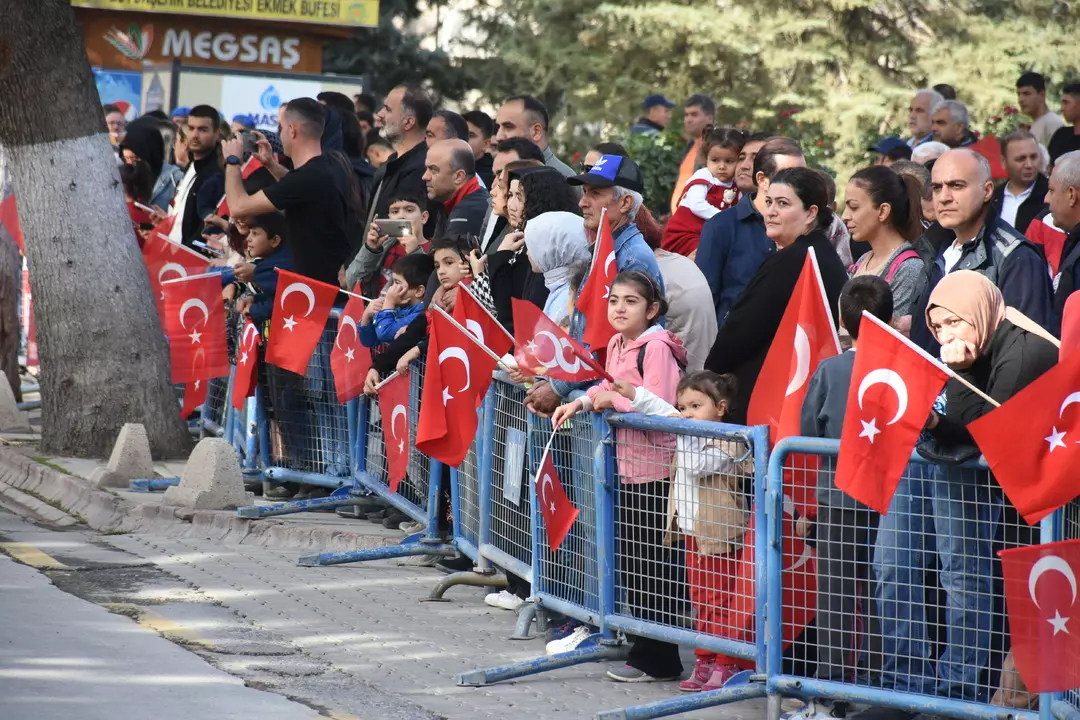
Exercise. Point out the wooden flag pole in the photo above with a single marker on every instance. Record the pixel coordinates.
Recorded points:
(505, 331)
(389, 377)
(343, 290)
(469, 335)
(190, 277)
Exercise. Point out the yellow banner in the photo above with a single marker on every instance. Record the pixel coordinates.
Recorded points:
(355, 13)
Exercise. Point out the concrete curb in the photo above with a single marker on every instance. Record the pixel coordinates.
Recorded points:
(106, 512)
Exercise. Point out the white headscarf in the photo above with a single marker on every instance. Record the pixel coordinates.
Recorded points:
(556, 242)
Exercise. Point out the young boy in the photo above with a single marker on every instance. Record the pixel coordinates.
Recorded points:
(845, 529)
(266, 251)
(385, 318)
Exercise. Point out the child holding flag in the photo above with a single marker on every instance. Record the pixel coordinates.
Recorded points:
(644, 354)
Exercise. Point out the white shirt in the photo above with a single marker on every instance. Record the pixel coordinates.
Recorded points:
(1010, 203)
(951, 256)
(1043, 129)
(180, 204)
(695, 197)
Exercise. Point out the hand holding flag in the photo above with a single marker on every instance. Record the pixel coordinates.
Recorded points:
(349, 360)
(544, 348)
(394, 410)
(195, 325)
(295, 335)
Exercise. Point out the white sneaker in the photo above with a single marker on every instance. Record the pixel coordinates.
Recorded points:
(570, 642)
(505, 600)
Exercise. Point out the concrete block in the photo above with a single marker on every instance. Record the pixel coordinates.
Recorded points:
(211, 479)
(12, 419)
(130, 459)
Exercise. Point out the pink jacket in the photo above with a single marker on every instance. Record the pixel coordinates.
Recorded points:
(643, 457)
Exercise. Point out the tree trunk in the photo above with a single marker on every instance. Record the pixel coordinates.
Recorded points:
(104, 360)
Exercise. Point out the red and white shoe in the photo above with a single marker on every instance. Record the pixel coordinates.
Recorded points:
(720, 675)
(703, 670)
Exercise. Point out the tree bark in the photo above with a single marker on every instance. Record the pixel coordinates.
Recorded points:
(104, 360)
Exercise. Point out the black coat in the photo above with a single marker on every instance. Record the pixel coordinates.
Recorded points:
(1012, 360)
(404, 176)
(513, 277)
(1030, 208)
(744, 339)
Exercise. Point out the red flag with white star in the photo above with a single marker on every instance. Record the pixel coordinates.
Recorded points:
(544, 348)
(195, 326)
(558, 512)
(166, 260)
(893, 388)
(195, 393)
(805, 337)
(394, 410)
(455, 368)
(474, 317)
(349, 360)
(247, 365)
(1031, 441)
(1041, 594)
(301, 309)
(592, 299)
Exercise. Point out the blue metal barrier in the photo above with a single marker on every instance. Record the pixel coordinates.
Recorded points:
(904, 676)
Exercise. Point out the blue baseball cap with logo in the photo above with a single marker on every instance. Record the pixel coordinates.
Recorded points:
(656, 99)
(887, 145)
(609, 171)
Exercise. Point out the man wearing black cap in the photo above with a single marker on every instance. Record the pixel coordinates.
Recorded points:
(889, 150)
(657, 109)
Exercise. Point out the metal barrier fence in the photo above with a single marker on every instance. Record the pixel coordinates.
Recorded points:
(908, 608)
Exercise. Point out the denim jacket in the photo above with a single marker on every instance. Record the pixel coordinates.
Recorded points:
(631, 253)
(165, 186)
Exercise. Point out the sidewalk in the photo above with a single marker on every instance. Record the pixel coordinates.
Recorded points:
(364, 620)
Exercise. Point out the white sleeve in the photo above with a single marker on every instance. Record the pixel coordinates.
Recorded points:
(647, 402)
(695, 198)
(707, 457)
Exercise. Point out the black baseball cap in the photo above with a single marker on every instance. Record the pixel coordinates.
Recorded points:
(612, 170)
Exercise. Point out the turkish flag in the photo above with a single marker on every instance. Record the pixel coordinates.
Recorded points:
(349, 360)
(248, 168)
(1041, 594)
(247, 365)
(592, 299)
(1030, 442)
(544, 348)
(394, 409)
(166, 260)
(893, 388)
(558, 512)
(455, 365)
(474, 317)
(9, 219)
(195, 325)
(194, 396)
(805, 337)
(301, 308)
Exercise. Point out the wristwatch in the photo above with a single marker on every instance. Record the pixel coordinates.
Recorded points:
(232, 160)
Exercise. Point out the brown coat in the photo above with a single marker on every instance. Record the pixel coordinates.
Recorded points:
(722, 512)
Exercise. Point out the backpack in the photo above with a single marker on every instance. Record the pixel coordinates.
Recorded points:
(894, 266)
(641, 362)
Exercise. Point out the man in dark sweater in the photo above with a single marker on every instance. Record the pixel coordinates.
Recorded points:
(450, 179)
(845, 528)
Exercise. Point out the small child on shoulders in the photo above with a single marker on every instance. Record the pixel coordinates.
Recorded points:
(709, 190)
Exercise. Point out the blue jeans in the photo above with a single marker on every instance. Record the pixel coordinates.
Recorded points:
(966, 514)
(901, 556)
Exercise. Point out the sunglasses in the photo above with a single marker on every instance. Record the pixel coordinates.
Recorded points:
(585, 167)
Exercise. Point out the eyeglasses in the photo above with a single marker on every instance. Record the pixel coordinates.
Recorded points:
(586, 167)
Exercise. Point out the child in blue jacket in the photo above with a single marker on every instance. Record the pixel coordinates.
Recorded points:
(267, 252)
(387, 316)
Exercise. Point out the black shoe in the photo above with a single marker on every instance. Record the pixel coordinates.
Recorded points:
(883, 713)
(378, 515)
(461, 563)
(350, 511)
(394, 519)
(277, 492)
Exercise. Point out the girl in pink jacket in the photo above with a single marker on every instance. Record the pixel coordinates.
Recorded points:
(646, 355)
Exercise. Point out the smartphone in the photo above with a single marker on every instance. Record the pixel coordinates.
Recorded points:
(206, 248)
(394, 228)
(251, 143)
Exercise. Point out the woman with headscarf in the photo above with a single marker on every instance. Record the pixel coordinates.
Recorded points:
(555, 243)
(145, 143)
(998, 351)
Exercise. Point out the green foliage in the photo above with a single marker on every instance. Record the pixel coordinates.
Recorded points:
(848, 66)
(388, 57)
(658, 156)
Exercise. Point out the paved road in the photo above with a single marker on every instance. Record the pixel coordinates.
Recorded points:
(62, 657)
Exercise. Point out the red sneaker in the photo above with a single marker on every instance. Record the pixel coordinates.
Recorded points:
(720, 675)
(703, 669)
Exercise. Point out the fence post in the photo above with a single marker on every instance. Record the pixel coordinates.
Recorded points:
(604, 475)
(773, 536)
(485, 474)
(357, 437)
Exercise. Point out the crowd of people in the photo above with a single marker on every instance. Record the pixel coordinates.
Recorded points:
(407, 203)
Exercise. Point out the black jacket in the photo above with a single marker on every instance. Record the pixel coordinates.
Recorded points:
(400, 176)
(1029, 209)
(467, 216)
(512, 277)
(485, 171)
(1012, 360)
(1068, 280)
(745, 337)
